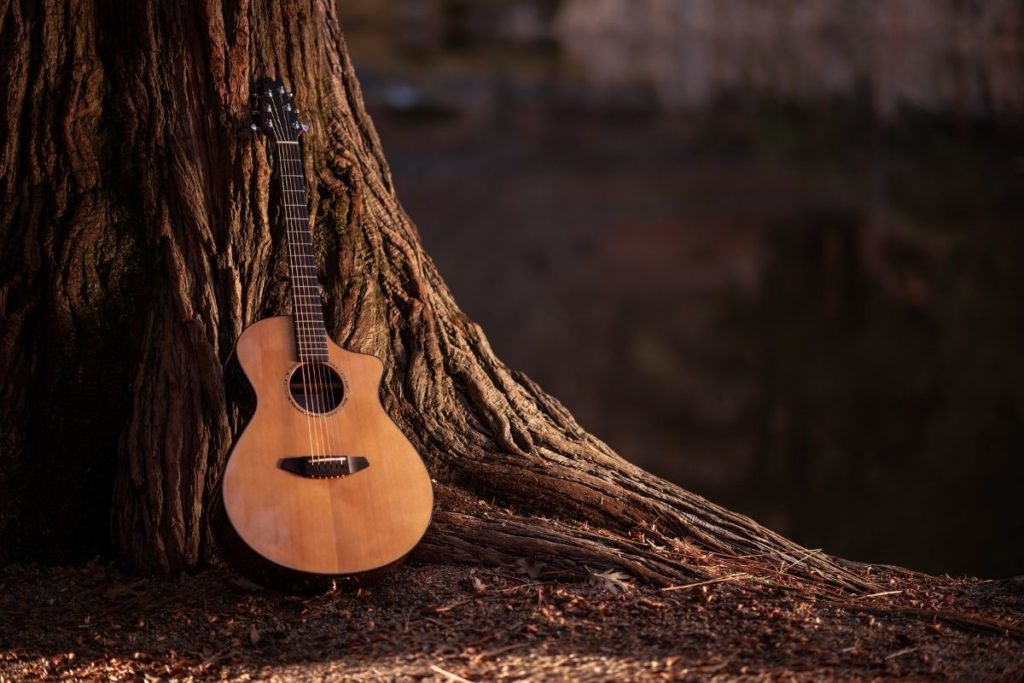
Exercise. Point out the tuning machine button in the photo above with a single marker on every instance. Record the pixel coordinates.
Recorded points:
(253, 127)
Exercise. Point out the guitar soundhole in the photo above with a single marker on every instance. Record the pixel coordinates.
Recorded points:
(316, 387)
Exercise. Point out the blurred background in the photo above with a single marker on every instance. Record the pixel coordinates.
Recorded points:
(768, 250)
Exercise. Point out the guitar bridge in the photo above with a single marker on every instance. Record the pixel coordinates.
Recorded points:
(324, 466)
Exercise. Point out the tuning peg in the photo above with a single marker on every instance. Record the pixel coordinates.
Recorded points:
(254, 127)
(287, 107)
(270, 124)
(305, 127)
(280, 90)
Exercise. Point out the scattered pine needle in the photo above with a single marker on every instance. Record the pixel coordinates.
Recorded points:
(721, 579)
(878, 595)
(490, 654)
(803, 559)
(449, 675)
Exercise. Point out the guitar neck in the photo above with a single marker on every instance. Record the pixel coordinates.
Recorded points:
(310, 331)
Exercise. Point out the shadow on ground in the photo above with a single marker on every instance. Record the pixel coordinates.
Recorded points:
(486, 624)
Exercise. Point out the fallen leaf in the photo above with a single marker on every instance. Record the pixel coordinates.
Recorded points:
(611, 581)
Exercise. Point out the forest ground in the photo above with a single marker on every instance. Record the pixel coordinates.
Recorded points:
(447, 623)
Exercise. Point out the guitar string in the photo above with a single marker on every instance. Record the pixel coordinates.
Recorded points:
(323, 371)
(309, 292)
(320, 370)
(293, 252)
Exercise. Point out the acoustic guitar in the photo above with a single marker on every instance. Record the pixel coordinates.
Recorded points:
(320, 484)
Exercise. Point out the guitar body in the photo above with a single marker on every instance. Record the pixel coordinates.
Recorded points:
(323, 490)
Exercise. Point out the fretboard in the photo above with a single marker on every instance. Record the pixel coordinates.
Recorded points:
(307, 309)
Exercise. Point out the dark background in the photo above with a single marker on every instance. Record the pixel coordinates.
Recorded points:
(770, 251)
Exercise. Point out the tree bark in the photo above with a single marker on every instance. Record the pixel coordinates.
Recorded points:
(140, 236)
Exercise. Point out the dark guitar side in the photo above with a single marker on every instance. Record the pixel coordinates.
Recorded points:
(296, 532)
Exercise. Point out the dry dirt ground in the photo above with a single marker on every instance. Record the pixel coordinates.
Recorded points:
(482, 624)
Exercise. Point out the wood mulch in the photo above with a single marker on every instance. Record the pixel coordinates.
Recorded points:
(446, 623)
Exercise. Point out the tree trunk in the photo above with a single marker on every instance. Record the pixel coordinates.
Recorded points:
(140, 236)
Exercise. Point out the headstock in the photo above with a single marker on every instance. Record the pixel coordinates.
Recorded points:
(274, 112)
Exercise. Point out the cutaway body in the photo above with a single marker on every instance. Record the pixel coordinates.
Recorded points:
(331, 491)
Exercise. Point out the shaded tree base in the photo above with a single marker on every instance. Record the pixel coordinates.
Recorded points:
(471, 530)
